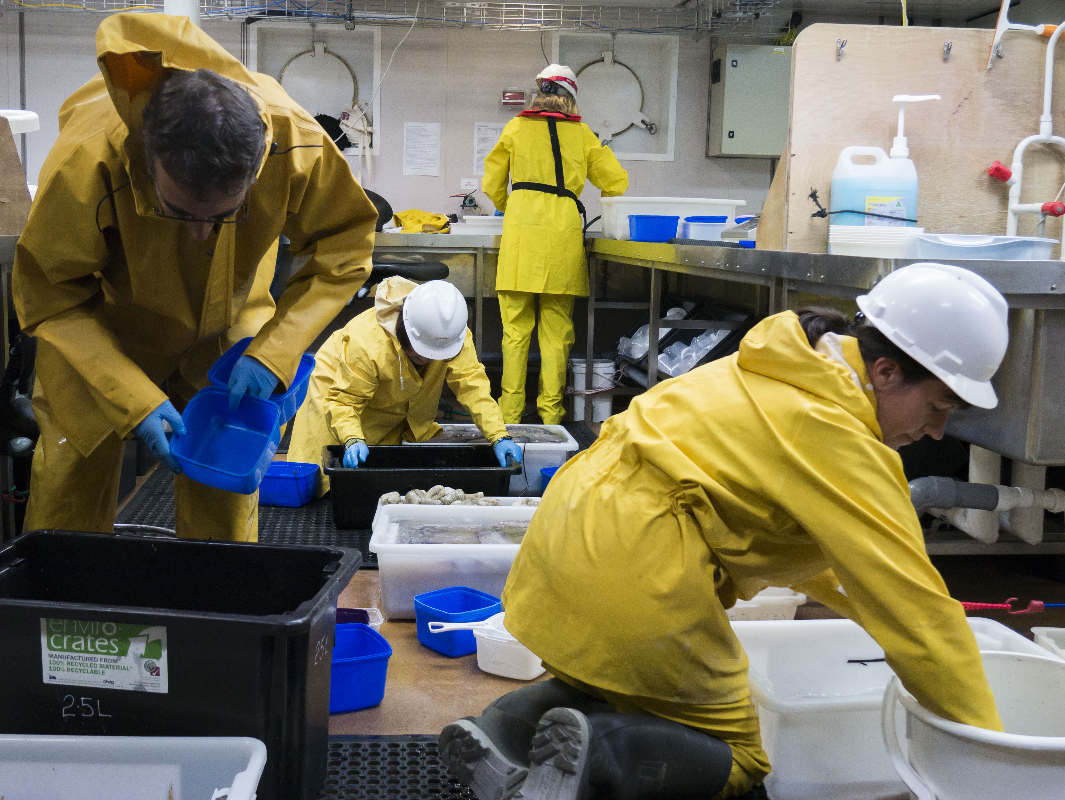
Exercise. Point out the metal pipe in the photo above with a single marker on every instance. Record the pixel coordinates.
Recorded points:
(942, 493)
(22, 81)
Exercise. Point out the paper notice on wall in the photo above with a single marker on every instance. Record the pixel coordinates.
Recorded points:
(107, 655)
(421, 148)
(485, 136)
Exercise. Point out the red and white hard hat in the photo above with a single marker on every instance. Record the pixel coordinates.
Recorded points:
(563, 76)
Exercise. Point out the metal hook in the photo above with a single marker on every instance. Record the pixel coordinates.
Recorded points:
(840, 44)
(946, 50)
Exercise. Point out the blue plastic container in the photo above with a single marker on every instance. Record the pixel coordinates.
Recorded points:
(288, 401)
(360, 666)
(546, 473)
(454, 604)
(229, 450)
(288, 483)
(652, 227)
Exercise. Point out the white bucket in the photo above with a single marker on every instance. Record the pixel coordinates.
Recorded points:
(602, 371)
(498, 652)
(951, 761)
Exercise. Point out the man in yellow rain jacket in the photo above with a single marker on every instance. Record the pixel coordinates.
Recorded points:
(149, 250)
(547, 153)
(378, 379)
(773, 467)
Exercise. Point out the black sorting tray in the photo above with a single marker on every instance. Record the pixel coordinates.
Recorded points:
(400, 468)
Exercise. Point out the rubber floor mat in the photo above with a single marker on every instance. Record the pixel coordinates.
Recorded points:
(581, 432)
(392, 767)
(312, 524)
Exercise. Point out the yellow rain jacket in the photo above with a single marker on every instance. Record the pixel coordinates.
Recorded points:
(120, 299)
(543, 239)
(766, 468)
(365, 387)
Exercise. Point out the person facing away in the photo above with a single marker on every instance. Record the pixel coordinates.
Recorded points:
(546, 153)
(378, 379)
(149, 250)
(776, 466)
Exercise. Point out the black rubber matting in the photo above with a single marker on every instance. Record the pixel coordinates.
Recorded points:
(392, 767)
(582, 433)
(312, 524)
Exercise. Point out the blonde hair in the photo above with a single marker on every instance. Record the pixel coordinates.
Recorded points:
(563, 103)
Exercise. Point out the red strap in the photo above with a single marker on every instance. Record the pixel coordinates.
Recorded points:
(530, 112)
(999, 171)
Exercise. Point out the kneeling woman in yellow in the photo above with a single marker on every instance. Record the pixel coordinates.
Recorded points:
(547, 153)
(378, 379)
(772, 467)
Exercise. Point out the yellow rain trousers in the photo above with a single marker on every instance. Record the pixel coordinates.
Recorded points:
(122, 300)
(766, 468)
(542, 251)
(365, 387)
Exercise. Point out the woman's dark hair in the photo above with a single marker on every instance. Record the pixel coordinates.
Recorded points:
(816, 321)
(206, 132)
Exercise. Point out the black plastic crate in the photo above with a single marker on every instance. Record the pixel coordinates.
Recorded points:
(206, 639)
(400, 468)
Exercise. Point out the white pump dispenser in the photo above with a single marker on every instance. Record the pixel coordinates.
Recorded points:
(899, 148)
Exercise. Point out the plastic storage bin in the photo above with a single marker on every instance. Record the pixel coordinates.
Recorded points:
(212, 638)
(360, 666)
(360, 616)
(871, 242)
(408, 569)
(546, 474)
(130, 767)
(707, 228)
(507, 502)
(497, 651)
(230, 450)
(288, 400)
(818, 687)
(616, 210)
(769, 604)
(1051, 639)
(999, 248)
(288, 483)
(453, 604)
(535, 454)
(400, 468)
(652, 227)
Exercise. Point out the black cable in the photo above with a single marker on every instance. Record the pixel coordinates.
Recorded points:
(823, 212)
(542, 50)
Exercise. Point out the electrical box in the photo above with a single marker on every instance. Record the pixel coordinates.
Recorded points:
(750, 90)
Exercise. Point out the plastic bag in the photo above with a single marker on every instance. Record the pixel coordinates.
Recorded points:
(636, 347)
(679, 358)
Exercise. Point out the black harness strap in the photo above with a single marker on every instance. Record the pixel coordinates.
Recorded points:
(559, 189)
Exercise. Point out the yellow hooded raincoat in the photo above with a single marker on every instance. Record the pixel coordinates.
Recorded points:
(762, 469)
(121, 300)
(365, 387)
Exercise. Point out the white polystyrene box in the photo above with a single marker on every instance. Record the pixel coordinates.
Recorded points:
(409, 569)
(769, 604)
(616, 210)
(129, 767)
(535, 455)
(818, 687)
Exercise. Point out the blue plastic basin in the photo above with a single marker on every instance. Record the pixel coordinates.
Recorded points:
(546, 473)
(360, 666)
(454, 604)
(229, 450)
(288, 483)
(652, 227)
(288, 401)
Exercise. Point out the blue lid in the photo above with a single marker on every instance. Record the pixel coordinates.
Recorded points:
(715, 220)
(747, 243)
(744, 219)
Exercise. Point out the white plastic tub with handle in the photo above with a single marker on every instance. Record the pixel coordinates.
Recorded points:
(498, 652)
(950, 761)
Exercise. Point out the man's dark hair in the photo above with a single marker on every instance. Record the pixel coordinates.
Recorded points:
(206, 132)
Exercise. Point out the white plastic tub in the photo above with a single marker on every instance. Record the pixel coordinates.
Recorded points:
(535, 455)
(871, 242)
(409, 569)
(768, 604)
(818, 687)
(693, 228)
(1051, 639)
(616, 210)
(479, 226)
(961, 246)
(129, 767)
(505, 502)
(498, 652)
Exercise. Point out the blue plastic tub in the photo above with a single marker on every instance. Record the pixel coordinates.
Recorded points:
(229, 450)
(288, 401)
(546, 473)
(652, 227)
(454, 604)
(288, 483)
(360, 665)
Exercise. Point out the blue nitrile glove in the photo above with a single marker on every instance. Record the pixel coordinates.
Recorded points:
(506, 451)
(251, 377)
(151, 432)
(355, 453)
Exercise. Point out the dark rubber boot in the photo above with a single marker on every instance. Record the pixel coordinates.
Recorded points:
(757, 793)
(559, 757)
(641, 757)
(474, 760)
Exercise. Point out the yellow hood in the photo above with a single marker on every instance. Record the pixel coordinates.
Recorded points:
(388, 301)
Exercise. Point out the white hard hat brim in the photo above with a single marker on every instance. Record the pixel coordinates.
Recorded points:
(442, 354)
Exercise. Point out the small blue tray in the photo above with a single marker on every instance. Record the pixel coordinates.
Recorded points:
(288, 483)
(229, 450)
(360, 666)
(288, 401)
(453, 604)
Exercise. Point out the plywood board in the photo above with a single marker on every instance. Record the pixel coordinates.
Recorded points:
(14, 194)
(982, 117)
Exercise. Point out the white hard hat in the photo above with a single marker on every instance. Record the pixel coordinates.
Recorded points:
(948, 319)
(434, 316)
(563, 76)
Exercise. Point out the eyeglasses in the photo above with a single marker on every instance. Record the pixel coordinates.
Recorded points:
(239, 214)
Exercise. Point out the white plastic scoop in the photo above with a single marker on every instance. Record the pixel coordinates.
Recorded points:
(444, 627)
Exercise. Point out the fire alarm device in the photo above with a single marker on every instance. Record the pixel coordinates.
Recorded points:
(514, 97)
